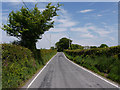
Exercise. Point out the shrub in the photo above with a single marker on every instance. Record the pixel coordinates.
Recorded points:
(105, 61)
(19, 64)
(109, 51)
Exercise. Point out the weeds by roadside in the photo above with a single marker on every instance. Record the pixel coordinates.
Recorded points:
(19, 64)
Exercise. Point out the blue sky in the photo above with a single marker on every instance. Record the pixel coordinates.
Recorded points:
(87, 23)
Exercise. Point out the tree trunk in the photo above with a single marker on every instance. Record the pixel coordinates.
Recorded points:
(29, 44)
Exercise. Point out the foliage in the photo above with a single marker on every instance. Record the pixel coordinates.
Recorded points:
(52, 48)
(104, 61)
(63, 44)
(29, 25)
(110, 51)
(103, 46)
(19, 64)
(76, 46)
(0, 67)
(93, 46)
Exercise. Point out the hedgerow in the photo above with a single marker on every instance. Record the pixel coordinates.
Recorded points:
(96, 51)
(105, 61)
(19, 64)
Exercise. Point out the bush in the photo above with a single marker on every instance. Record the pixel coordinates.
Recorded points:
(103, 61)
(109, 51)
(19, 64)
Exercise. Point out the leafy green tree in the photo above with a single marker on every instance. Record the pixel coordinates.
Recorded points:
(52, 48)
(103, 46)
(76, 46)
(29, 25)
(63, 44)
(93, 46)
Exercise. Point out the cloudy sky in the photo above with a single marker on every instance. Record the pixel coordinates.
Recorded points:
(86, 23)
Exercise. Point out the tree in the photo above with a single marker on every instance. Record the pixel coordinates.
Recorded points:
(76, 46)
(93, 46)
(52, 48)
(63, 44)
(29, 25)
(103, 46)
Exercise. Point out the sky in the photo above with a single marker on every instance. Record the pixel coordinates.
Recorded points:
(86, 23)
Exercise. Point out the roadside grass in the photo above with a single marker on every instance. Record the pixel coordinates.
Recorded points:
(19, 64)
(107, 66)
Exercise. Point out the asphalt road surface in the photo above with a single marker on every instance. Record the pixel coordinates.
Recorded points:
(61, 73)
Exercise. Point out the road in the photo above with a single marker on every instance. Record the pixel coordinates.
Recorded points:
(61, 73)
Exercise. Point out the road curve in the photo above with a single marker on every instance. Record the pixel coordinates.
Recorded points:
(61, 73)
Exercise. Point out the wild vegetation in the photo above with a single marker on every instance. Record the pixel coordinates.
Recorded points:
(105, 61)
(75, 46)
(19, 64)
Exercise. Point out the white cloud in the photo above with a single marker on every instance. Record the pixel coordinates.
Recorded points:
(80, 29)
(87, 10)
(102, 32)
(6, 38)
(19, 0)
(45, 41)
(87, 35)
(57, 29)
(11, 0)
(63, 21)
(96, 41)
(65, 0)
(41, 9)
(97, 36)
(4, 19)
(86, 31)
(103, 23)
(66, 23)
(99, 15)
(84, 35)
(88, 24)
(86, 42)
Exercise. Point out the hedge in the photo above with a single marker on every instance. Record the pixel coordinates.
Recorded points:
(95, 51)
(19, 64)
(104, 61)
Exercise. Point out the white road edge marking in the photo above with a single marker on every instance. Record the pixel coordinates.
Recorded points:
(41, 71)
(92, 73)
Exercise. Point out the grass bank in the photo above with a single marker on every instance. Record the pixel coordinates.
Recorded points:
(104, 61)
(19, 64)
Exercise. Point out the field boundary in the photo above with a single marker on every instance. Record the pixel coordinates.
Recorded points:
(98, 76)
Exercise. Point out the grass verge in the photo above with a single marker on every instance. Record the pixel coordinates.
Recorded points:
(108, 67)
